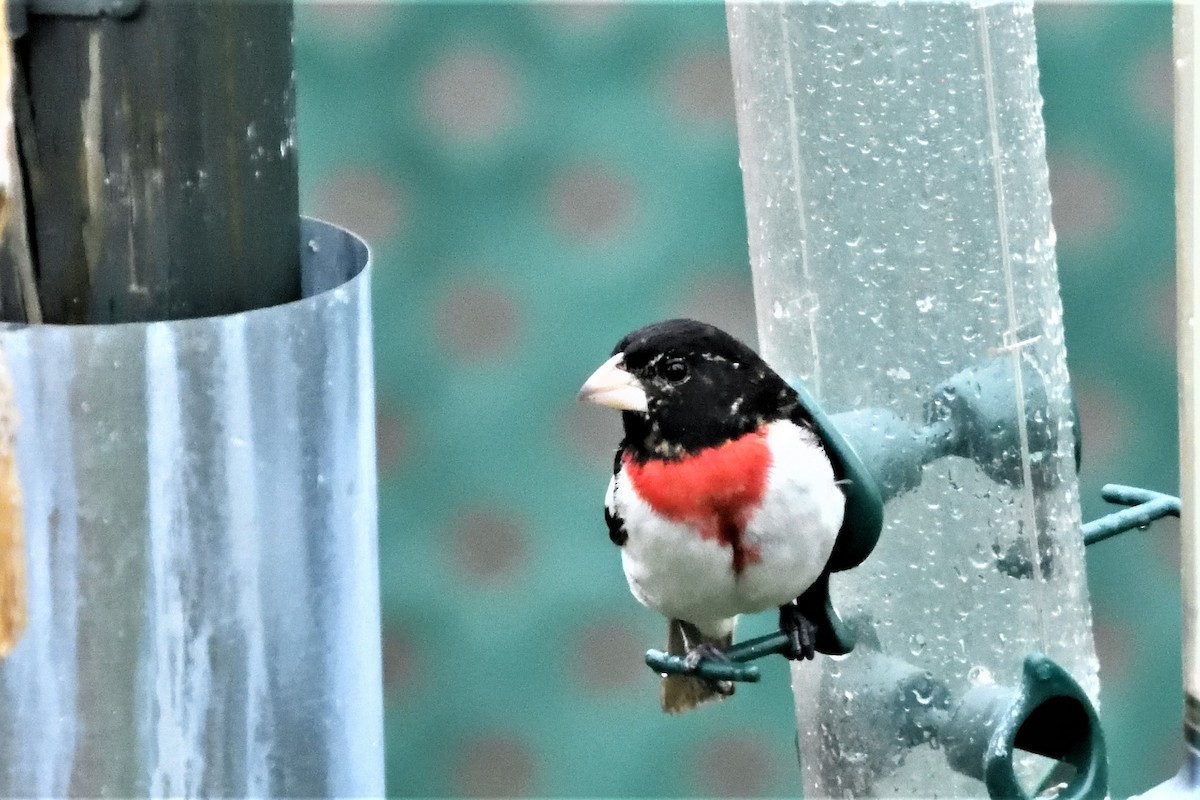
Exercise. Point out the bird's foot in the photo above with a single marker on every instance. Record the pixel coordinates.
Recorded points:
(710, 652)
(707, 650)
(801, 633)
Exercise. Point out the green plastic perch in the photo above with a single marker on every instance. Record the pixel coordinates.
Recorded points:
(1147, 507)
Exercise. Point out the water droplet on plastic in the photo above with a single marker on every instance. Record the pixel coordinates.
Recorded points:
(982, 559)
(980, 675)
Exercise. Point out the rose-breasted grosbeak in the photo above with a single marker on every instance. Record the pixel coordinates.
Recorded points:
(723, 500)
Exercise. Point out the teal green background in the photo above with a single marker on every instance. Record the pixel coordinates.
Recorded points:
(535, 181)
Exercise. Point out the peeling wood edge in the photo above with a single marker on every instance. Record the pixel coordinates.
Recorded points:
(13, 611)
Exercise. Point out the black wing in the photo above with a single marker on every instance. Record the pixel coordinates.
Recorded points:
(616, 525)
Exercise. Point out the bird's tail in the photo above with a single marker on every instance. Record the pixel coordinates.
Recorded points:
(685, 692)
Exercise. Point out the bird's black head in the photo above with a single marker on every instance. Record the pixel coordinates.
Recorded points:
(684, 385)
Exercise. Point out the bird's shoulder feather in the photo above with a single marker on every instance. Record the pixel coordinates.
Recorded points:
(800, 416)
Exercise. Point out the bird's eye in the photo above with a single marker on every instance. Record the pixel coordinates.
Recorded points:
(675, 370)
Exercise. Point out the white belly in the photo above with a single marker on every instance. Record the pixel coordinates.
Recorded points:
(675, 571)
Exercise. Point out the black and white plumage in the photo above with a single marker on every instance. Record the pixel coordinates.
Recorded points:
(722, 499)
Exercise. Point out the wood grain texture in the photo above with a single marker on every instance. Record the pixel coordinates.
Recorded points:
(13, 611)
(161, 163)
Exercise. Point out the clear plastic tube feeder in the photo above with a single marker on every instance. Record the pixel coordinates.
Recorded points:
(903, 256)
(200, 533)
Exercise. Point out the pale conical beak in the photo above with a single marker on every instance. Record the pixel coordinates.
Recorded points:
(614, 387)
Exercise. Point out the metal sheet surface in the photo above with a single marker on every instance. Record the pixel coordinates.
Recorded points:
(200, 506)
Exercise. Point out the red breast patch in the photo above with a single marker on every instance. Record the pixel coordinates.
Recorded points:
(715, 491)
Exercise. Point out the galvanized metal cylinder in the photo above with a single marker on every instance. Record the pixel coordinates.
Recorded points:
(200, 508)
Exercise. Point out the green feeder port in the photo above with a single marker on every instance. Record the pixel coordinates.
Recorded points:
(1049, 715)
(981, 732)
(972, 415)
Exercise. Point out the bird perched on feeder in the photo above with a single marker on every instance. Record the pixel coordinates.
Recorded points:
(723, 499)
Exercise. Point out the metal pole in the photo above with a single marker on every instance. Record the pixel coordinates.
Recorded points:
(1187, 233)
(1187, 167)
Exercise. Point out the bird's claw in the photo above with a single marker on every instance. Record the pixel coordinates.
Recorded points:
(710, 652)
(801, 633)
(704, 651)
